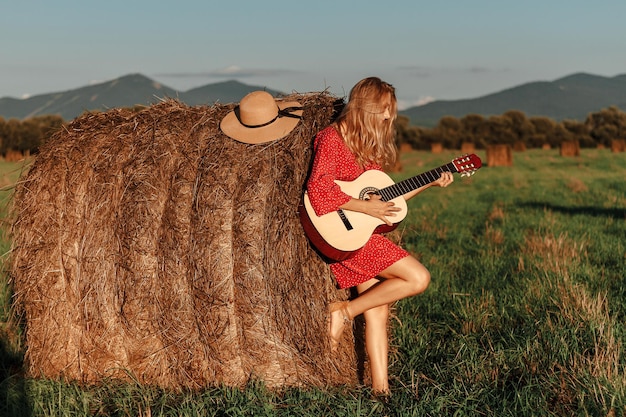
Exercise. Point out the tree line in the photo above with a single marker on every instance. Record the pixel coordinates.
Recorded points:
(26, 136)
(512, 127)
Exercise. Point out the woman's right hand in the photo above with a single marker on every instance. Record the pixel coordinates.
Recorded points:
(373, 206)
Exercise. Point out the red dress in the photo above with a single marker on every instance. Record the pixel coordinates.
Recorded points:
(334, 161)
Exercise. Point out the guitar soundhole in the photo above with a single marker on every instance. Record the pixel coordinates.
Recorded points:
(365, 192)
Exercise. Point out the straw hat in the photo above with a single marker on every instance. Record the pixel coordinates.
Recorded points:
(259, 118)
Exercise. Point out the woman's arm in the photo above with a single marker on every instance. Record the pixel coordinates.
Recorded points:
(380, 209)
(373, 206)
(324, 194)
(444, 180)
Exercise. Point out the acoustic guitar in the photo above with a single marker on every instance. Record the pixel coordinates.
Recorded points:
(337, 235)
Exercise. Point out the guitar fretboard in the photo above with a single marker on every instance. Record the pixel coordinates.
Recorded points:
(413, 183)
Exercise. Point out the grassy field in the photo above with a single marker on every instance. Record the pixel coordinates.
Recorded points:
(525, 315)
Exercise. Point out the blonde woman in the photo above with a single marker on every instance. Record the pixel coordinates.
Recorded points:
(362, 138)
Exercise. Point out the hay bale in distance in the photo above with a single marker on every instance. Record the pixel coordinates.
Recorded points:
(405, 147)
(13, 156)
(149, 245)
(570, 148)
(519, 146)
(499, 155)
(468, 147)
(618, 145)
(436, 147)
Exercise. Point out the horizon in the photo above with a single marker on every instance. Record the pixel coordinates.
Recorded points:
(400, 106)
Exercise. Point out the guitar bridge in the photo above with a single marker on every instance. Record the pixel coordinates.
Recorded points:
(344, 219)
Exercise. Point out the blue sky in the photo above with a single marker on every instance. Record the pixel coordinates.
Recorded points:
(435, 49)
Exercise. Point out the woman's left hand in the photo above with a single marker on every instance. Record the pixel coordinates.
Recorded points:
(444, 180)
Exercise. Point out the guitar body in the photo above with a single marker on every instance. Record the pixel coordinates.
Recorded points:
(337, 235)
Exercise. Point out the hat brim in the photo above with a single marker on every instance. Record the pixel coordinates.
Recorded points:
(278, 129)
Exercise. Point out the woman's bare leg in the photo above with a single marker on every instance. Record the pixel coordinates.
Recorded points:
(377, 342)
(403, 279)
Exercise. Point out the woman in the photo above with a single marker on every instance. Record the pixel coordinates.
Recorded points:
(362, 138)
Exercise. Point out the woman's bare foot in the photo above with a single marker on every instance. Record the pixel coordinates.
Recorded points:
(339, 318)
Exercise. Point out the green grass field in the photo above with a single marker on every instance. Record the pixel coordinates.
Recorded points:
(525, 315)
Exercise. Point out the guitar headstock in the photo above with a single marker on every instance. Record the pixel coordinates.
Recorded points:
(467, 165)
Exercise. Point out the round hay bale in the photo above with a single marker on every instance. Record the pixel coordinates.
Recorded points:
(405, 147)
(618, 145)
(468, 147)
(436, 147)
(150, 246)
(570, 148)
(13, 156)
(519, 146)
(499, 156)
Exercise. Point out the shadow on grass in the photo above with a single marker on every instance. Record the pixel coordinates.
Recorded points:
(617, 213)
(13, 399)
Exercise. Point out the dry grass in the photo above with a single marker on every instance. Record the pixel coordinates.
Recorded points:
(577, 186)
(553, 254)
(577, 308)
(496, 213)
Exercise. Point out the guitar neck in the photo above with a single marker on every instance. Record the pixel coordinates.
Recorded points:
(413, 183)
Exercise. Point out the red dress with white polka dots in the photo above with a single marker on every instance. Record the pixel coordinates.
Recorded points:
(334, 161)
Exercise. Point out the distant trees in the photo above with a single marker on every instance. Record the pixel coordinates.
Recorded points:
(26, 136)
(513, 127)
(475, 129)
(606, 125)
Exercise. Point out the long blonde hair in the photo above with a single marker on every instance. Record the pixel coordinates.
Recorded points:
(370, 139)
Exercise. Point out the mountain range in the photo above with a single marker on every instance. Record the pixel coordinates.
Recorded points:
(127, 91)
(571, 97)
